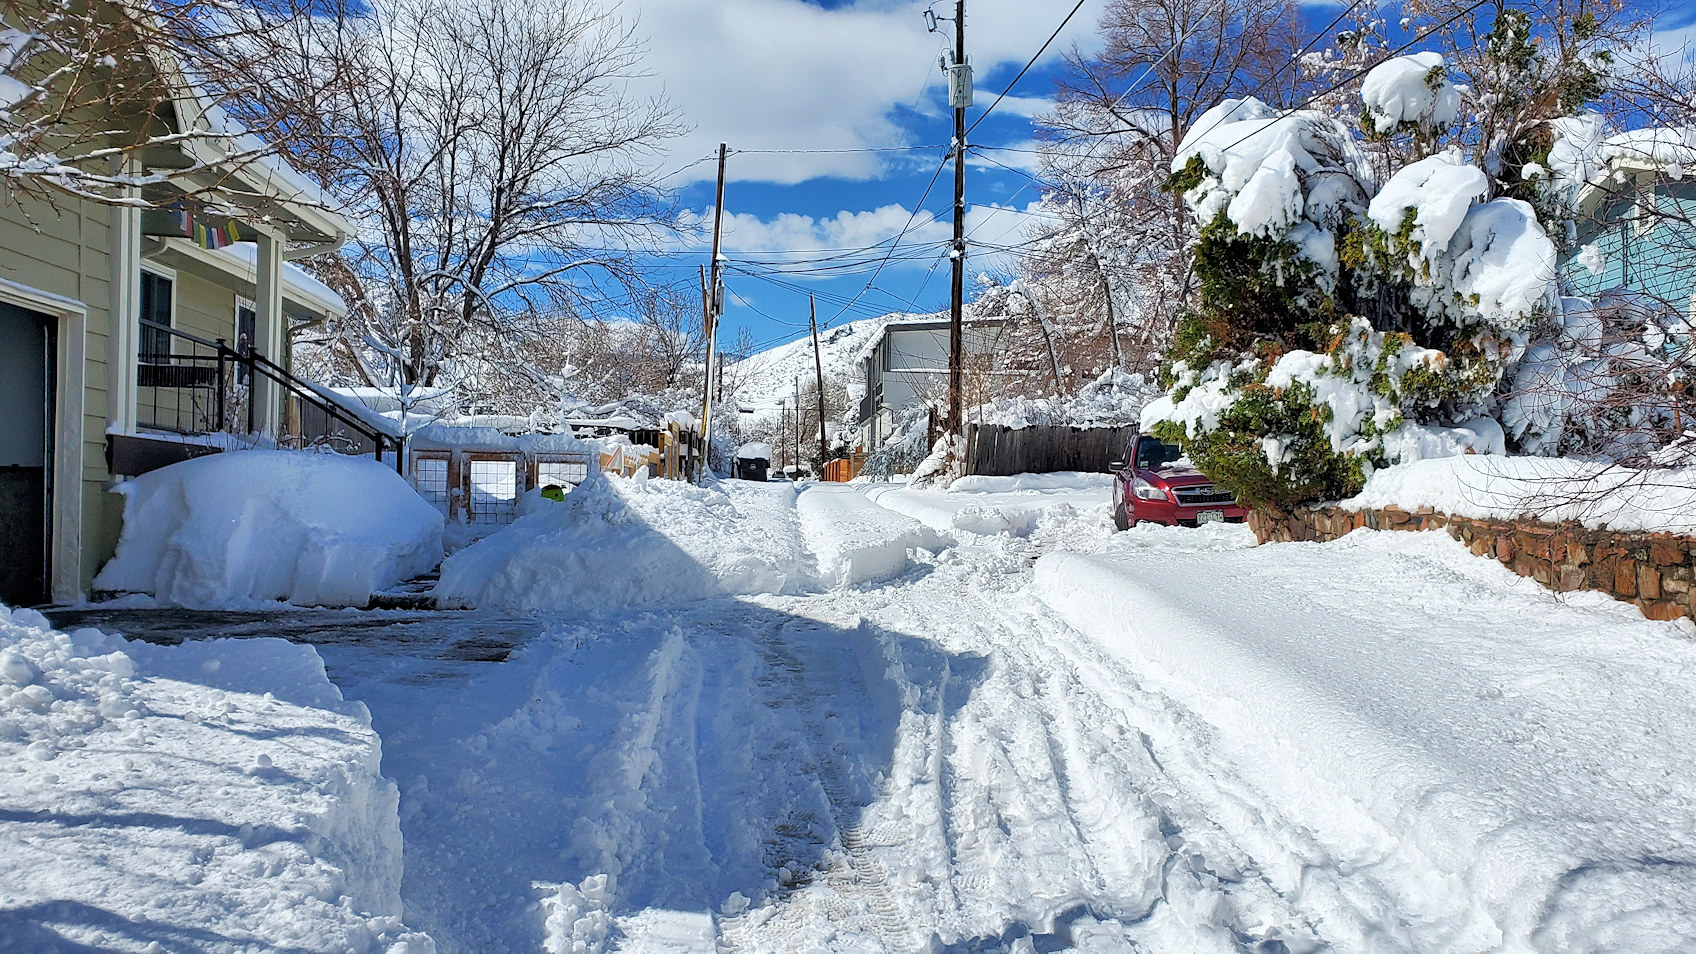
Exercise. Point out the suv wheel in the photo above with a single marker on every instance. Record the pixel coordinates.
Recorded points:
(1121, 519)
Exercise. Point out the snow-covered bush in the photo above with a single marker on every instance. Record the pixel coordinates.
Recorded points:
(1409, 94)
(1610, 378)
(905, 447)
(1342, 326)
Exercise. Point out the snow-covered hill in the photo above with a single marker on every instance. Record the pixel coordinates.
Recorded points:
(768, 377)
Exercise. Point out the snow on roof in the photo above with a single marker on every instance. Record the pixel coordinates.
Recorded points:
(1663, 148)
(1583, 155)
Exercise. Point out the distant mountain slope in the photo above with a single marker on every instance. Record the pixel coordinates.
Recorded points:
(768, 377)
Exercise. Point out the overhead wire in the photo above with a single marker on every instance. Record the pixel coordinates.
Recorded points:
(1043, 49)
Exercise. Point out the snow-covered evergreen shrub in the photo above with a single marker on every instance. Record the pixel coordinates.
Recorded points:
(1333, 335)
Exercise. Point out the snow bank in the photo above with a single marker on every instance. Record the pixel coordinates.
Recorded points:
(215, 796)
(857, 541)
(1550, 489)
(1068, 481)
(1003, 506)
(312, 529)
(1464, 762)
(618, 542)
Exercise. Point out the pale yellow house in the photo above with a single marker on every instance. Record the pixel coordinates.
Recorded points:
(121, 333)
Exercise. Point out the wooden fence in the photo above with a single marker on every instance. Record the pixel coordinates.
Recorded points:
(996, 451)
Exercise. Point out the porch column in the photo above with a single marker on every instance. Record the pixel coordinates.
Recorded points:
(268, 329)
(123, 316)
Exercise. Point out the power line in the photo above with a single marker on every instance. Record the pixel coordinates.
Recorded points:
(820, 152)
(1027, 66)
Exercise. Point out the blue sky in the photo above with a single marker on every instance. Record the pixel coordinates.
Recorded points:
(785, 80)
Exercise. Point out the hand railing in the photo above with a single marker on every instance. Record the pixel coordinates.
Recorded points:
(189, 385)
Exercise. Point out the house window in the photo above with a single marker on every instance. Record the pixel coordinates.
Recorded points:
(155, 343)
(1646, 211)
(247, 322)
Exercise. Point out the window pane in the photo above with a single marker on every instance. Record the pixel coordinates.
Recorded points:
(154, 343)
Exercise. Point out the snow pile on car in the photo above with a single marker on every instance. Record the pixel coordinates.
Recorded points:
(1552, 489)
(856, 541)
(214, 796)
(617, 542)
(311, 529)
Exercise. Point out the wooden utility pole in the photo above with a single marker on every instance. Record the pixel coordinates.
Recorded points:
(797, 381)
(818, 365)
(960, 97)
(713, 302)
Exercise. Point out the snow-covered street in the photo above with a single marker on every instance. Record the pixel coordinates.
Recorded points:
(1044, 737)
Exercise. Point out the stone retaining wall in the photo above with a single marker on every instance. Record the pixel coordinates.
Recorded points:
(1654, 571)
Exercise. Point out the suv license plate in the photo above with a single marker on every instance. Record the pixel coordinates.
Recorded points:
(1209, 516)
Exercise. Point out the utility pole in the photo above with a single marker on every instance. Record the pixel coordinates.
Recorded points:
(818, 365)
(713, 302)
(797, 381)
(960, 98)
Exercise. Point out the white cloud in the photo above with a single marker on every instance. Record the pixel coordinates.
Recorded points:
(790, 235)
(784, 74)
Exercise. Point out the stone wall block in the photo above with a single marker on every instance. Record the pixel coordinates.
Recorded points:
(1666, 552)
(1625, 578)
(1648, 582)
(1505, 548)
(1569, 578)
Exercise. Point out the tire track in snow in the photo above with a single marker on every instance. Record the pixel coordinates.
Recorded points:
(801, 683)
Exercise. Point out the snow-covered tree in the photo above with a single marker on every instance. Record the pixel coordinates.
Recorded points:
(500, 162)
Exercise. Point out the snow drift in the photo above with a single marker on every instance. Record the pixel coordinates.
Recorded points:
(218, 796)
(617, 542)
(1498, 765)
(857, 541)
(312, 529)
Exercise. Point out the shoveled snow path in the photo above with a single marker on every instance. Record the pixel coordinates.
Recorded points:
(905, 768)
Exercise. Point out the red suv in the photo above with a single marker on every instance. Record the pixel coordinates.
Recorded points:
(1158, 484)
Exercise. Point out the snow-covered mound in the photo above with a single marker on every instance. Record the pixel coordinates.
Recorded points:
(615, 542)
(1551, 489)
(1006, 506)
(216, 796)
(312, 529)
(1503, 768)
(857, 541)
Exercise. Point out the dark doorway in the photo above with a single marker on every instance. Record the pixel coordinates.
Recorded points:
(26, 434)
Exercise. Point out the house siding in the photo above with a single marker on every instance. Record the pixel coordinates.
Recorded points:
(60, 248)
(204, 308)
(1657, 262)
